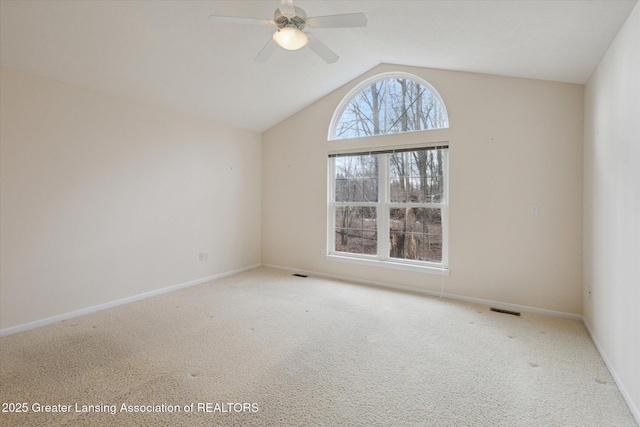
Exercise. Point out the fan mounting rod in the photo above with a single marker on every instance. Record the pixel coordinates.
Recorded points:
(299, 21)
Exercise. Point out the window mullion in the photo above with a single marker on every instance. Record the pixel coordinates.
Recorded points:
(331, 212)
(383, 207)
(444, 212)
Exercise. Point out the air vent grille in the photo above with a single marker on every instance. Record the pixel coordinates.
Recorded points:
(499, 310)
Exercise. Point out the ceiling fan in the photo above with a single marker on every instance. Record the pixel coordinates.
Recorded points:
(291, 21)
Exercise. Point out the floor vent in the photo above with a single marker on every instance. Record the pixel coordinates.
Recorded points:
(299, 275)
(499, 310)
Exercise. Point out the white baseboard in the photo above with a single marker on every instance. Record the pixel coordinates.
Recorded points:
(497, 304)
(99, 307)
(630, 403)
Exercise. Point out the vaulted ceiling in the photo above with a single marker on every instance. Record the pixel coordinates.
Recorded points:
(168, 53)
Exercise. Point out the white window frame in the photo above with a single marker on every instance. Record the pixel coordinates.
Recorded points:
(383, 206)
(337, 114)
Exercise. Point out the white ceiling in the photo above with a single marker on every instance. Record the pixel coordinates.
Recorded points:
(167, 52)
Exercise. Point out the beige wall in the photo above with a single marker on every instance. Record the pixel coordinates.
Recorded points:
(513, 143)
(612, 208)
(103, 199)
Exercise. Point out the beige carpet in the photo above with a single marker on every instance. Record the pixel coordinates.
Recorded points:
(307, 351)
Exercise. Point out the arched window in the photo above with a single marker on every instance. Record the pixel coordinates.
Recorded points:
(388, 103)
(388, 206)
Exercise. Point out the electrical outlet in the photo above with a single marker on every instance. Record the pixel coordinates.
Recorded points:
(535, 210)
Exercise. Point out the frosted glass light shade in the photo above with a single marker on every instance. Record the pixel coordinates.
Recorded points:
(290, 38)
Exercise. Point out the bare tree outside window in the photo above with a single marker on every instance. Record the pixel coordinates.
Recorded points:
(390, 204)
(391, 106)
(416, 178)
(399, 219)
(356, 185)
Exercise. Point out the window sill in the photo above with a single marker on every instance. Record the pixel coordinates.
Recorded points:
(389, 264)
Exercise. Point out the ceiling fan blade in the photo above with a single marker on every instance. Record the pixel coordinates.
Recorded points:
(266, 51)
(239, 20)
(322, 50)
(338, 21)
(287, 9)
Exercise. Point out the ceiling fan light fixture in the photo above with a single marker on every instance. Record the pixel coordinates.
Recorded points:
(290, 38)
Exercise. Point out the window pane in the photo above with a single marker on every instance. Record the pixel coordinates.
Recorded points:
(346, 217)
(434, 189)
(416, 234)
(369, 220)
(410, 106)
(398, 177)
(433, 248)
(356, 179)
(370, 189)
(414, 190)
(416, 177)
(390, 105)
(350, 190)
(356, 230)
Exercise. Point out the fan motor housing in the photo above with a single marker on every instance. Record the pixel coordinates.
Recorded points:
(299, 21)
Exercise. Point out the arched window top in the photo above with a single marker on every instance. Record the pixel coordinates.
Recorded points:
(388, 103)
